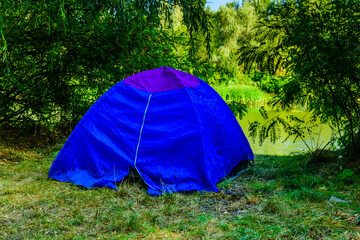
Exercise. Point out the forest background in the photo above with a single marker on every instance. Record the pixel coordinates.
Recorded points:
(58, 57)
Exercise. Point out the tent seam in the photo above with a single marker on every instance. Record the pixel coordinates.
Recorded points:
(138, 145)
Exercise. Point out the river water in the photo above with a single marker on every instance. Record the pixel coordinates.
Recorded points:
(319, 137)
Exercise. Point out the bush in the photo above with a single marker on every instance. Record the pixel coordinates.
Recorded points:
(269, 83)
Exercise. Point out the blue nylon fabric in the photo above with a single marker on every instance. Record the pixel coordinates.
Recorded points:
(102, 147)
(224, 141)
(190, 140)
(171, 154)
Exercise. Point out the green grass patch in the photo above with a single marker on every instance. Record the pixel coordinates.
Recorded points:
(251, 95)
(279, 197)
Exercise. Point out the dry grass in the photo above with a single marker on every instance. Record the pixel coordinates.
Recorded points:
(277, 198)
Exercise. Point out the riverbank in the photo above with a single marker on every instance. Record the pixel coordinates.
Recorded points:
(279, 197)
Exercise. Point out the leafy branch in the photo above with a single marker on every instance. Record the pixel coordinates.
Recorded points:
(293, 127)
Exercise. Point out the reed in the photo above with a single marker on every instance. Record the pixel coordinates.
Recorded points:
(248, 94)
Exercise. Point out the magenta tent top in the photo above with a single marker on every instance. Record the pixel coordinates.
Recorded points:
(161, 80)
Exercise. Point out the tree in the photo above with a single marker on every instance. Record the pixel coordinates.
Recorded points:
(234, 28)
(318, 43)
(58, 57)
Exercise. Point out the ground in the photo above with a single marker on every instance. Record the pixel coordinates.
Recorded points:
(278, 198)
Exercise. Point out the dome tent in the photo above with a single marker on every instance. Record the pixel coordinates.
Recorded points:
(170, 126)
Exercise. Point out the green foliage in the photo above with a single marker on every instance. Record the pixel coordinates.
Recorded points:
(291, 126)
(58, 57)
(259, 51)
(238, 108)
(244, 93)
(347, 176)
(318, 42)
(269, 83)
(240, 96)
(233, 28)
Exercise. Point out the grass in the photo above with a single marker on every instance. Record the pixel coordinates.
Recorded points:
(278, 198)
(248, 94)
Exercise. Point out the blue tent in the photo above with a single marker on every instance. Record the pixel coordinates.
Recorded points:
(170, 126)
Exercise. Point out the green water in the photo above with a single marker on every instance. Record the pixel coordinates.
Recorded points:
(318, 138)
